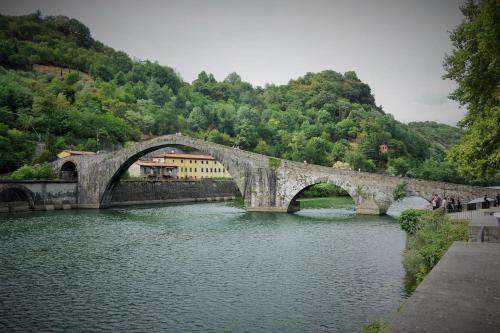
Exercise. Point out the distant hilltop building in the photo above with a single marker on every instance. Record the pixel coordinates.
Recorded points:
(66, 153)
(383, 148)
(179, 166)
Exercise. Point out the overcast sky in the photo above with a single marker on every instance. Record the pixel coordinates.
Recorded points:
(396, 46)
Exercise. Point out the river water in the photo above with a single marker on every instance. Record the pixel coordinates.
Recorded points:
(208, 267)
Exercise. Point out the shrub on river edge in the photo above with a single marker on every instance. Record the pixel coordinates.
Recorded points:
(376, 326)
(429, 235)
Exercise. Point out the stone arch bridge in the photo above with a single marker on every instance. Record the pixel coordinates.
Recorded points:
(266, 183)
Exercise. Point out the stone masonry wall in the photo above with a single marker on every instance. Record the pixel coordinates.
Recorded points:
(41, 195)
(144, 192)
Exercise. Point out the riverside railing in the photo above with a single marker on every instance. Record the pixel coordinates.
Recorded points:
(471, 210)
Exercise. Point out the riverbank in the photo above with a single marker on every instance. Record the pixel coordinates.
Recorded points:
(429, 237)
(459, 295)
(327, 202)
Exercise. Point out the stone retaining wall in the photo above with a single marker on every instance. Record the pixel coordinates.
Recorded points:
(149, 192)
(38, 195)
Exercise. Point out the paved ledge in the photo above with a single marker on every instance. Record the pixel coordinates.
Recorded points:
(484, 228)
(461, 293)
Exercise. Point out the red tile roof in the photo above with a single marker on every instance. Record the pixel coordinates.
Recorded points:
(185, 156)
(155, 164)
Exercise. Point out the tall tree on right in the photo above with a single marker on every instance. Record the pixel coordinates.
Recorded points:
(475, 65)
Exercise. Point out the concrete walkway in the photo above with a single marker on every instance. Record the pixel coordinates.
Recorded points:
(461, 293)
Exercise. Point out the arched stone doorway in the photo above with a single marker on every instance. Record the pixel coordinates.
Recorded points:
(68, 171)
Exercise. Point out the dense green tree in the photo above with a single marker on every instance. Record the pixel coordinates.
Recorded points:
(475, 65)
(358, 161)
(16, 148)
(399, 166)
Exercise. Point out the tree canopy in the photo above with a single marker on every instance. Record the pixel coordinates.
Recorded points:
(475, 65)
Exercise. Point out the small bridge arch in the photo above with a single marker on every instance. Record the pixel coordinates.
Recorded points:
(294, 205)
(13, 194)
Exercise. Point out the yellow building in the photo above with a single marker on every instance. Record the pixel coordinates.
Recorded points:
(190, 166)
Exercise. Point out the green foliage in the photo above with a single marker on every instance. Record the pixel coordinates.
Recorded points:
(442, 136)
(399, 166)
(274, 163)
(474, 65)
(322, 118)
(344, 202)
(410, 218)
(322, 190)
(399, 191)
(432, 238)
(37, 171)
(16, 147)
(376, 326)
(437, 170)
(358, 161)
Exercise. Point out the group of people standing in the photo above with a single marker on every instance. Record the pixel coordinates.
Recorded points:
(449, 204)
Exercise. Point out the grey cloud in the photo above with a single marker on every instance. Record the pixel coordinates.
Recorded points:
(432, 98)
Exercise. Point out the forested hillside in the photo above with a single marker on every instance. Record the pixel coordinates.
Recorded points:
(324, 118)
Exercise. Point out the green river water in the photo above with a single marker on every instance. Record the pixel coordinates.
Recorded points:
(205, 267)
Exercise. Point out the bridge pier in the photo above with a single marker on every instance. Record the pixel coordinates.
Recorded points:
(371, 207)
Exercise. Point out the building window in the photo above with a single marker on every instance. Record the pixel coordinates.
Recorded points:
(195, 161)
(190, 161)
(190, 170)
(182, 161)
(201, 169)
(211, 170)
(195, 170)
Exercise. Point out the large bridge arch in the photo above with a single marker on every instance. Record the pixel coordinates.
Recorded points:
(118, 164)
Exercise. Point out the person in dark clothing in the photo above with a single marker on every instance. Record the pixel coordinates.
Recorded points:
(459, 205)
(486, 202)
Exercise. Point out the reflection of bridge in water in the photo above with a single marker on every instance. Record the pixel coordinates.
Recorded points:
(266, 183)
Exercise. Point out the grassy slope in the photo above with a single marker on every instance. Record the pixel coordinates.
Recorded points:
(329, 202)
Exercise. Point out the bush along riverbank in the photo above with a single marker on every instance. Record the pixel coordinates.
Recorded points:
(429, 234)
